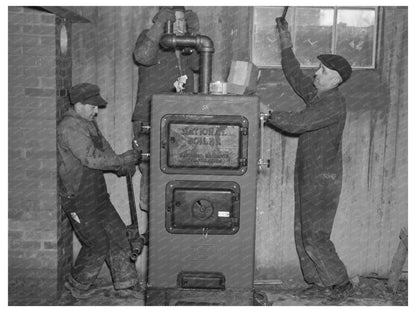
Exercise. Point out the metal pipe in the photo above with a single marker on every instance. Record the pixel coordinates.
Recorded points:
(206, 74)
(203, 45)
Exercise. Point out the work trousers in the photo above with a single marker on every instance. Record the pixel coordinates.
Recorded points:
(101, 232)
(144, 185)
(316, 204)
(143, 139)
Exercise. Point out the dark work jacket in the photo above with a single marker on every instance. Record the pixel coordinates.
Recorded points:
(319, 126)
(81, 145)
(158, 70)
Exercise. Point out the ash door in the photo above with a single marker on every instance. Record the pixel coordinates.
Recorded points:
(202, 207)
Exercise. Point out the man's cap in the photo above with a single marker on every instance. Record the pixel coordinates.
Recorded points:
(174, 8)
(178, 8)
(87, 93)
(337, 63)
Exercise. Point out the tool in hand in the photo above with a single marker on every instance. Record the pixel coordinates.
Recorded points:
(284, 13)
(136, 240)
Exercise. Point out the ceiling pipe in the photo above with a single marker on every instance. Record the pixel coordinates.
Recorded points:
(203, 45)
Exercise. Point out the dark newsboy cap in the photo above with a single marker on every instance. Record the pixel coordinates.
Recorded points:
(87, 93)
(337, 63)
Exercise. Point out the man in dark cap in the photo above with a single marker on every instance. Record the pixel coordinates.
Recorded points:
(318, 167)
(83, 155)
(159, 69)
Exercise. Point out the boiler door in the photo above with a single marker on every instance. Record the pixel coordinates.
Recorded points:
(202, 207)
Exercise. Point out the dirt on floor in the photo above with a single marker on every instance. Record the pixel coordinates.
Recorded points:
(367, 291)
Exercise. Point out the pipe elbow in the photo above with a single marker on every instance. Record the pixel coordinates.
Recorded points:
(205, 44)
(200, 43)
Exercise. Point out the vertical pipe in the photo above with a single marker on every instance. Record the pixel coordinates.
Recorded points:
(205, 71)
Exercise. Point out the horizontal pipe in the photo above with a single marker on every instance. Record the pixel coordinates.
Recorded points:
(198, 42)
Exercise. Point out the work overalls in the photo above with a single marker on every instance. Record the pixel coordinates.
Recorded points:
(101, 232)
(318, 173)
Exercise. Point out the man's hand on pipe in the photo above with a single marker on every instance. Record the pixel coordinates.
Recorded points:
(165, 14)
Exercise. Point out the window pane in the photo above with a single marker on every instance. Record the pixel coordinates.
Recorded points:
(313, 34)
(355, 36)
(265, 46)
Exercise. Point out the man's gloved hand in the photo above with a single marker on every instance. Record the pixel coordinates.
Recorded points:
(165, 14)
(128, 162)
(131, 157)
(160, 19)
(126, 170)
(282, 24)
(192, 22)
(284, 33)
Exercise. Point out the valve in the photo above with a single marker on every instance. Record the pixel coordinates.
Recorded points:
(144, 157)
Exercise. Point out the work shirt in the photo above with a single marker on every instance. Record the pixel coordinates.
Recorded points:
(75, 139)
(158, 70)
(319, 125)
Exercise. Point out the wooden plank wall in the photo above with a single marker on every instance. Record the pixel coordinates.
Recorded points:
(373, 204)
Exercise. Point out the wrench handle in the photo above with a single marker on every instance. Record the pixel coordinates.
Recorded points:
(284, 11)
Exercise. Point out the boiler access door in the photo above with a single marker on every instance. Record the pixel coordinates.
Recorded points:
(202, 207)
(204, 144)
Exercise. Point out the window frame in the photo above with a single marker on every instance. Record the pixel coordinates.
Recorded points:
(334, 33)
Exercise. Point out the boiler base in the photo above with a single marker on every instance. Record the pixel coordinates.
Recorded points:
(193, 297)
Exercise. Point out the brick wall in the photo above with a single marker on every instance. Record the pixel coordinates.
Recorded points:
(33, 209)
(63, 83)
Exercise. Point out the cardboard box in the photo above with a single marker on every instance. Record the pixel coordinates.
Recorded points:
(242, 78)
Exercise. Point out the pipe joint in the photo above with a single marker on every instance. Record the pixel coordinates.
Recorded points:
(198, 42)
(202, 44)
(205, 44)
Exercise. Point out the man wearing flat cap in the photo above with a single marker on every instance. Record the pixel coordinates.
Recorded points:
(83, 155)
(318, 166)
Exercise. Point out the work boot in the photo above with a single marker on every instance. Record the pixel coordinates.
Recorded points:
(135, 291)
(343, 288)
(79, 293)
(341, 291)
(260, 298)
(315, 290)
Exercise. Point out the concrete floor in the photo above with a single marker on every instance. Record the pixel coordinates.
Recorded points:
(366, 292)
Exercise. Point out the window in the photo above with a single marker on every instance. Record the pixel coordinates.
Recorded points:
(349, 31)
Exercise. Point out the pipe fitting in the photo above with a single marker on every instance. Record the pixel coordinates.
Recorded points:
(203, 45)
(198, 42)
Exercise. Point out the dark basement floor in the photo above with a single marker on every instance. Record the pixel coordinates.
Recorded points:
(368, 291)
